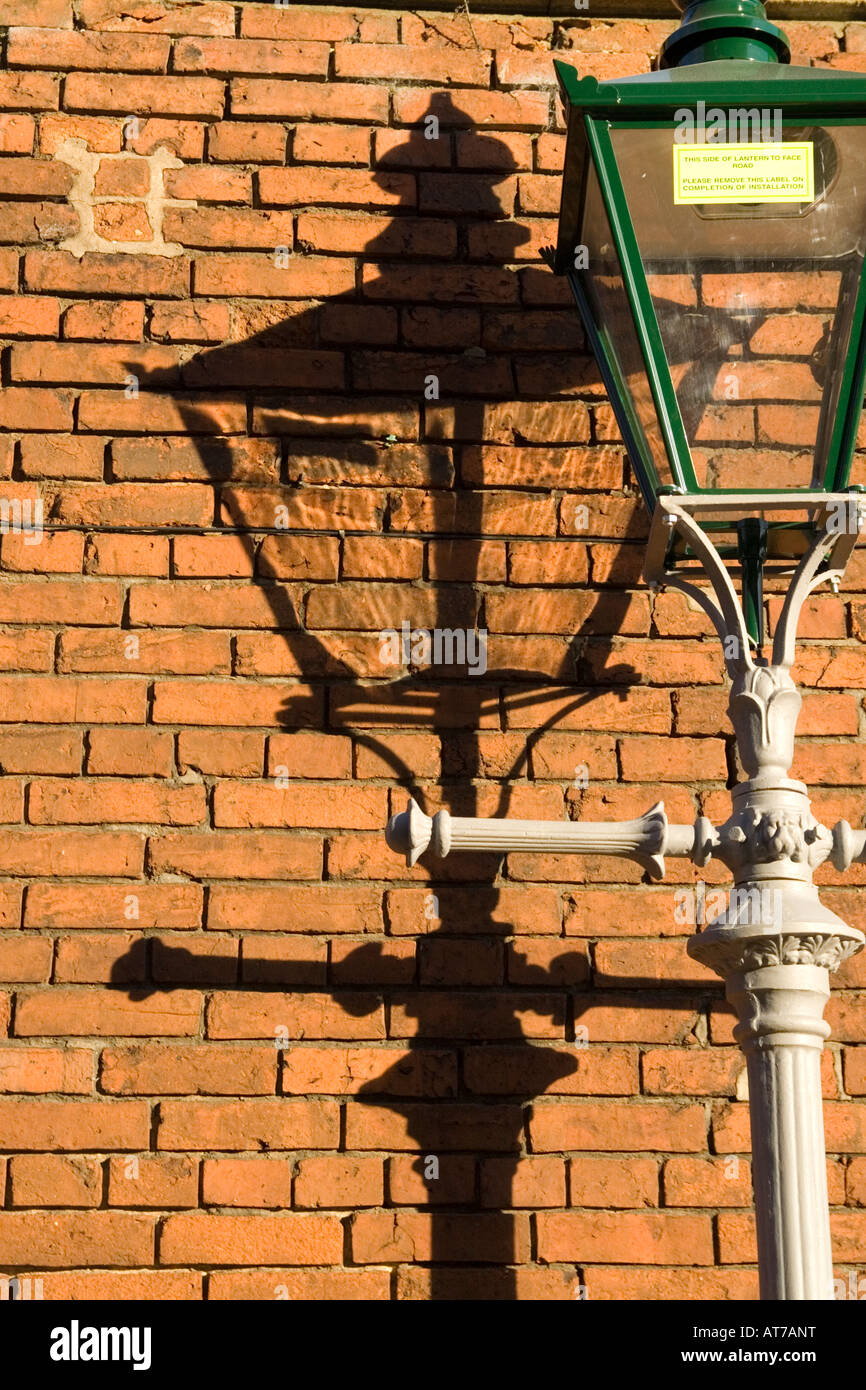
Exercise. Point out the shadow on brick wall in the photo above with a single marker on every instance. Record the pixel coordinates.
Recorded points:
(488, 1071)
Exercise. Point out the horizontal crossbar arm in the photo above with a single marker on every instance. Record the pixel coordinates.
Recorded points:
(849, 846)
(646, 840)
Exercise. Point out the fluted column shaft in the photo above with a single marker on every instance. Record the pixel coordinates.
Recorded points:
(775, 946)
(781, 1031)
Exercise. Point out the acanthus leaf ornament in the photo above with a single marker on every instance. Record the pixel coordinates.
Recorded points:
(736, 954)
(764, 707)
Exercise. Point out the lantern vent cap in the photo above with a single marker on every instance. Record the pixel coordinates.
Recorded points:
(724, 29)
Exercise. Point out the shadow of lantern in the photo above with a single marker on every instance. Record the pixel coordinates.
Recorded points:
(337, 439)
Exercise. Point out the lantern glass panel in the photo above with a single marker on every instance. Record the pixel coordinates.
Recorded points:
(755, 303)
(603, 285)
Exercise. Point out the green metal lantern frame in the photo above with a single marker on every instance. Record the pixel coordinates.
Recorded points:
(651, 101)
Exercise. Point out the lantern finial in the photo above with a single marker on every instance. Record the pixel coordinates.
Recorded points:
(714, 30)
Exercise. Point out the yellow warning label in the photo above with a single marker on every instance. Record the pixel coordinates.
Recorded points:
(759, 173)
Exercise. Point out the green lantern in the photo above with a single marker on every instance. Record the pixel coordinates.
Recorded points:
(713, 229)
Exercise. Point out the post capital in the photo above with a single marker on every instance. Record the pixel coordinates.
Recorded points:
(746, 950)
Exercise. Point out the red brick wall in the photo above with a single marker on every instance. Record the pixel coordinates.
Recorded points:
(236, 1026)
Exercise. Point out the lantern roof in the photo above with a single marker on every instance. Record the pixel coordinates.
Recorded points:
(725, 82)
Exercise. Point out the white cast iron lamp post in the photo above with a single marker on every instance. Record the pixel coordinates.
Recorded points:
(681, 239)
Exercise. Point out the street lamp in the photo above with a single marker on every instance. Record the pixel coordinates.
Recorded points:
(713, 229)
